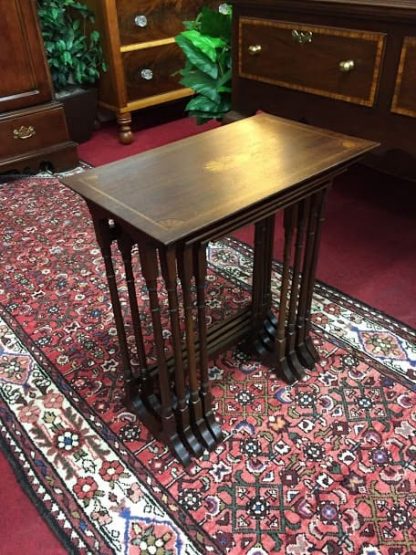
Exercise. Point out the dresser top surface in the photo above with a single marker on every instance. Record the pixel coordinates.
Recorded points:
(383, 3)
(173, 192)
(389, 4)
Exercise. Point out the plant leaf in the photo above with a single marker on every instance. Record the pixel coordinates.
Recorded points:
(208, 45)
(225, 78)
(203, 104)
(73, 49)
(202, 84)
(196, 57)
(215, 24)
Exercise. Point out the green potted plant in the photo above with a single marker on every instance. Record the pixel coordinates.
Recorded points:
(206, 44)
(75, 58)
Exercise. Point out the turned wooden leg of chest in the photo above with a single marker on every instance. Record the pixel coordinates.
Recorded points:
(125, 132)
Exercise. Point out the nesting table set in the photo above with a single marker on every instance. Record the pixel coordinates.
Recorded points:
(169, 203)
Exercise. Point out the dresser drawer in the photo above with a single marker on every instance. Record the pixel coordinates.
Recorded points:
(404, 100)
(329, 61)
(150, 20)
(37, 128)
(149, 72)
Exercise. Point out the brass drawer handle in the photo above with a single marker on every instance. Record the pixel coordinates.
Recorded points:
(24, 132)
(254, 49)
(301, 37)
(146, 74)
(346, 65)
(140, 20)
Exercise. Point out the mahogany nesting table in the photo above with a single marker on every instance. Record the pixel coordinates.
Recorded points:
(169, 203)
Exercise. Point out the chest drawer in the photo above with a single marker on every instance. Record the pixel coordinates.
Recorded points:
(150, 20)
(37, 128)
(329, 61)
(404, 100)
(150, 71)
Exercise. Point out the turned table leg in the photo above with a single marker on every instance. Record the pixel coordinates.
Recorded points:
(302, 210)
(263, 321)
(199, 424)
(183, 414)
(304, 346)
(290, 219)
(287, 341)
(106, 233)
(125, 245)
(200, 270)
(169, 430)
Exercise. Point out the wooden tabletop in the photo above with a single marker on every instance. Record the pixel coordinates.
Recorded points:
(173, 191)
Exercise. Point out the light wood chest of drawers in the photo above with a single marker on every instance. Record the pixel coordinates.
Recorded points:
(344, 65)
(141, 53)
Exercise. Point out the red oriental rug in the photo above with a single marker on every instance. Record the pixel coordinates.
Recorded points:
(325, 466)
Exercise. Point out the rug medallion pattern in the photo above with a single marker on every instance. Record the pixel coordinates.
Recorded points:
(325, 466)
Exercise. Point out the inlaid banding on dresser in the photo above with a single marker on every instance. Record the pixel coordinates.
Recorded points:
(404, 99)
(388, 116)
(315, 65)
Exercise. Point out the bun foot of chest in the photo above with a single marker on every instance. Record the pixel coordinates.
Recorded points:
(125, 133)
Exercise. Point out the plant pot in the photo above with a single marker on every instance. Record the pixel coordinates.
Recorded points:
(80, 105)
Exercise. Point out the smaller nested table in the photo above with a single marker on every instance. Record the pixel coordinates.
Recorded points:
(169, 203)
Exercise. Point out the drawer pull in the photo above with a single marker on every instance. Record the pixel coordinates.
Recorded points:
(254, 49)
(140, 21)
(346, 65)
(146, 74)
(24, 132)
(301, 37)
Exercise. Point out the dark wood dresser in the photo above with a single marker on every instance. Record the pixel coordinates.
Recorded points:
(141, 53)
(33, 128)
(344, 65)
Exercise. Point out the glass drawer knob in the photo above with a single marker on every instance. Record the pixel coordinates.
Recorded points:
(140, 20)
(224, 8)
(146, 74)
